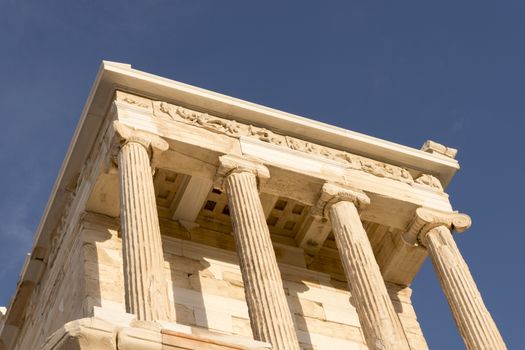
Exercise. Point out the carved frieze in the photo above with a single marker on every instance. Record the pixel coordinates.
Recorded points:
(233, 128)
(134, 100)
(430, 181)
(137, 102)
(203, 120)
(266, 135)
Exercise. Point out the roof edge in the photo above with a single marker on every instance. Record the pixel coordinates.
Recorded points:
(135, 81)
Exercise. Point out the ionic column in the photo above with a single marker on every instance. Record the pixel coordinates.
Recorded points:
(379, 320)
(475, 324)
(270, 316)
(145, 285)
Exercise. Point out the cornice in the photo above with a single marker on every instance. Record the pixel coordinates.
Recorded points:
(126, 78)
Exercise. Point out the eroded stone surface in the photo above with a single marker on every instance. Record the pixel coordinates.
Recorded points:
(236, 129)
(260, 284)
(377, 316)
(269, 312)
(474, 321)
(146, 289)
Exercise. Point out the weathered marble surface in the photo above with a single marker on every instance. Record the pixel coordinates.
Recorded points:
(76, 268)
(475, 324)
(379, 321)
(96, 334)
(432, 230)
(146, 289)
(270, 316)
(208, 291)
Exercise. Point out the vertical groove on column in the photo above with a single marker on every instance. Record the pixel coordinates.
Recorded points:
(270, 315)
(379, 321)
(146, 287)
(478, 329)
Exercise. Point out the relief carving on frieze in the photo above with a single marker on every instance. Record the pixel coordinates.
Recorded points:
(266, 135)
(351, 160)
(233, 128)
(430, 181)
(135, 101)
(203, 120)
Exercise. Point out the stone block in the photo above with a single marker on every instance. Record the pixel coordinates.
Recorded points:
(235, 279)
(214, 319)
(324, 296)
(307, 307)
(324, 342)
(216, 287)
(183, 264)
(329, 329)
(179, 279)
(241, 326)
(341, 314)
(194, 299)
(184, 315)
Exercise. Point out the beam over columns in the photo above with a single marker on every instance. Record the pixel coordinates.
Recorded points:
(268, 203)
(145, 286)
(378, 318)
(270, 315)
(431, 229)
(190, 199)
(313, 233)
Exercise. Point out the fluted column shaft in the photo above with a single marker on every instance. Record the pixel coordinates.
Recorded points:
(145, 284)
(474, 322)
(270, 315)
(379, 321)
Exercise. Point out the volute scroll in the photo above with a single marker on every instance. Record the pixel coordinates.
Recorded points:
(426, 219)
(153, 143)
(230, 164)
(333, 193)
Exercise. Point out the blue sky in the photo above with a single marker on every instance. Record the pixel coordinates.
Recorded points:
(451, 71)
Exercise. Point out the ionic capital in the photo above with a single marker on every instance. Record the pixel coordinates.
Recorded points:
(153, 143)
(231, 164)
(124, 135)
(333, 193)
(427, 219)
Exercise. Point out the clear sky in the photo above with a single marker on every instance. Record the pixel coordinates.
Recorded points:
(405, 71)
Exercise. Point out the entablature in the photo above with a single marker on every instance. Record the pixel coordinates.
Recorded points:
(298, 168)
(233, 128)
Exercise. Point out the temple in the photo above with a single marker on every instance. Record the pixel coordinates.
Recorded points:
(186, 219)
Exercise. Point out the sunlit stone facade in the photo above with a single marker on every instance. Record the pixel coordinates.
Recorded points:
(186, 219)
